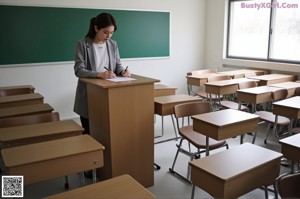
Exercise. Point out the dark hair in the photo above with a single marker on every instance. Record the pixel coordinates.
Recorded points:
(101, 21)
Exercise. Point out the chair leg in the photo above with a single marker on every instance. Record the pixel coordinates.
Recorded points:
(268, 130)
(275, 190)
(254, 137)
(177, 152)
(193, 192)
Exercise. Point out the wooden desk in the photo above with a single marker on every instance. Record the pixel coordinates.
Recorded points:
(52, 159)
(164, 106)
(121, 118)
(273, 79)
(224, 87)
(290, 86)
(25, 110)
(200, 80)
(21, 100)
(236, 171)
(288, 107)
(256, 95)
(123, 186)
(16, 90)
(290, 147)
(163, 90)
(28, 134)
(224, 124)
(243, 72)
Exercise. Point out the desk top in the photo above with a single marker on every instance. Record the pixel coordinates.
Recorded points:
(206, 75)
(228, 82)
(258, 90)
(293, 102)
(287, 85)
(175, 99)
(293, 140)
(162, 87)
(25, 110)
(123, 186)
(53, 149)
(225, 117)
(249, 157)
(242, 72)
(37, 130)
(138, 80)
(23, 97)
(274, 78)
(17, 87)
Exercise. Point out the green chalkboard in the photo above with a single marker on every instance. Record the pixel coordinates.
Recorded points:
(49, 34)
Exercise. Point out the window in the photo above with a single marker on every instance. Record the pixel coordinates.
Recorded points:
(267, 30)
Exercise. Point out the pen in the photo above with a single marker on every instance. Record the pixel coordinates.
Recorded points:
(126, 68)
(106, 68)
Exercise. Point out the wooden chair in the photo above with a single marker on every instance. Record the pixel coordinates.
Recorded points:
(198, 72)
(288, 185)
(272, 119)
(234, 104)
(212, 97)
(203, 71)
(187, 133)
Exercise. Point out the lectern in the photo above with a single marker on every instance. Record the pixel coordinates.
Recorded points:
(121, 119)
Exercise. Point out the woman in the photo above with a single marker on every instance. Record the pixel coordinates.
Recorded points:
(96, 56)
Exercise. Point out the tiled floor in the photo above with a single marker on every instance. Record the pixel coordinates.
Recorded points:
(166, 185)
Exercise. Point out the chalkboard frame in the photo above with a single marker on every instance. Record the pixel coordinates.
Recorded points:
(35, 35)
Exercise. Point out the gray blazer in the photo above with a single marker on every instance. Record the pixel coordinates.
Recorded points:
(85, 67)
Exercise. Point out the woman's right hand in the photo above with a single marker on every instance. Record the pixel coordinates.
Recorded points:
(106, 75)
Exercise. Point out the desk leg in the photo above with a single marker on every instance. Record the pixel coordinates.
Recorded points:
(82, 179)
(207, 146)
(176, 137)
(94, 175)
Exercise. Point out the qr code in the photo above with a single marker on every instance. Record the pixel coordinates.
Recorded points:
(12, 186)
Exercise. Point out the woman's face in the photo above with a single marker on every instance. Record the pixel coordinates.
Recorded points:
(103, 34)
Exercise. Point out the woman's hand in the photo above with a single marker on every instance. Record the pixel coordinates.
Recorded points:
(106, 75)
(125, 73)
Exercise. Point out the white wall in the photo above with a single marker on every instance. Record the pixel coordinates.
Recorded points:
(57, 82)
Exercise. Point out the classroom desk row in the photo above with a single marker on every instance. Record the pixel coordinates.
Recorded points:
(201, 80)
(49, 143)
(28, 126)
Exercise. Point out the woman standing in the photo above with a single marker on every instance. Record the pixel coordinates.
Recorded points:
(96, 56)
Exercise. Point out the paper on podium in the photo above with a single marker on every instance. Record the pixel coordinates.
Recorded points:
(121, 79)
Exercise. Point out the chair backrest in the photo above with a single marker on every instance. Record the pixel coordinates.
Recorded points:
(247, 84)
(279, 94)
(29, 119)
(288, 185)
(192, 108)
(238, 76)
(17, 91)
(217, 78)
(297, 91)
(199, 72)
(251, 74)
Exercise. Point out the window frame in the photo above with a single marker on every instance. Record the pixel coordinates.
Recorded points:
(268, 58)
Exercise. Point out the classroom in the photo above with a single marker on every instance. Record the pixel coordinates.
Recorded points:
(197, 41)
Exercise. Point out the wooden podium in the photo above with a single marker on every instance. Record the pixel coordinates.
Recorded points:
(121, 119)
